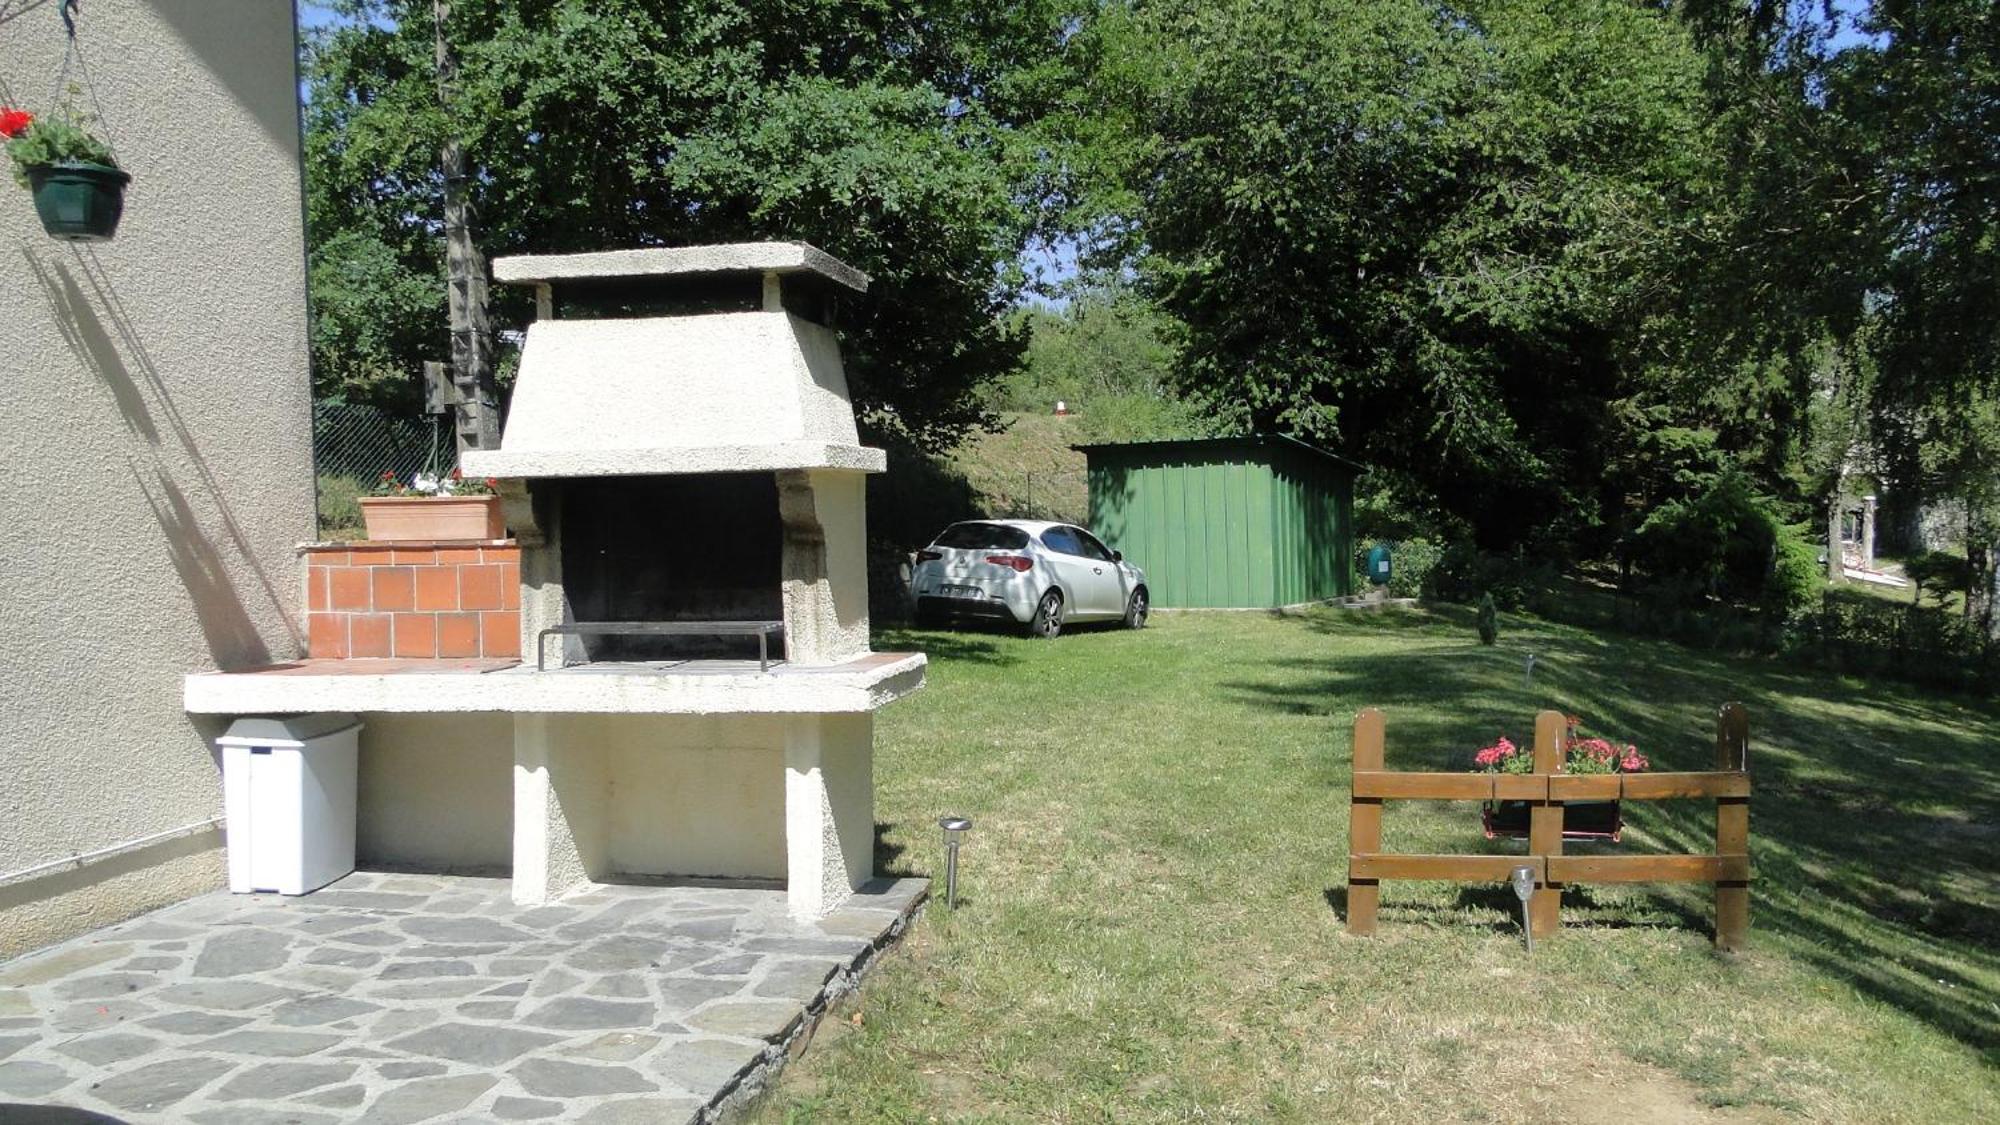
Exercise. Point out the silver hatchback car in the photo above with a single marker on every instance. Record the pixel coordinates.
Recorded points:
(1032, 573)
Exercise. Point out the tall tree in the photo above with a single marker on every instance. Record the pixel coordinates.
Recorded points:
(1934, 91)
(1419, 231)
(1765, 349)
(907, 138)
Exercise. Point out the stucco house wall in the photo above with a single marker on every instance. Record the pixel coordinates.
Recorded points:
(155, 464)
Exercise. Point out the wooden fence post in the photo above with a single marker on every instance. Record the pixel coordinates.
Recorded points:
(1545, 822)
(1364, 825)
(1732, 827)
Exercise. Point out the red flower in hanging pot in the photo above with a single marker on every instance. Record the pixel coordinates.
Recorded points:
(14, 122)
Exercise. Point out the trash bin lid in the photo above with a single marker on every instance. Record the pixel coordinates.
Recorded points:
(285, 730)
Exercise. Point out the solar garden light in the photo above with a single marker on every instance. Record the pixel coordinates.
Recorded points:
(1523, 880)
(1528, 677)
(953, 826)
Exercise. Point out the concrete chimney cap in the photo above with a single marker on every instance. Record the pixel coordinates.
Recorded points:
(735, 257)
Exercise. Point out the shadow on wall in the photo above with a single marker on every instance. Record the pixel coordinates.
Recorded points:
(166, 461)
(211, 30)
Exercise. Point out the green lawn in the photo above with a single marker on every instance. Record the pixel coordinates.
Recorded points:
(1152, 924)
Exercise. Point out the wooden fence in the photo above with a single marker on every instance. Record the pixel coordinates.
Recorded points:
(1545, 790)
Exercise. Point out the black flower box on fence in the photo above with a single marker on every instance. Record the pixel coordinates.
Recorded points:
(1582, 820)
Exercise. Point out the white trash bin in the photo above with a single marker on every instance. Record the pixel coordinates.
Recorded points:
(288, 790)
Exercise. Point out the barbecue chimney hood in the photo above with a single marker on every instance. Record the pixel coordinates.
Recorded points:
(680, 447)
(700, 359)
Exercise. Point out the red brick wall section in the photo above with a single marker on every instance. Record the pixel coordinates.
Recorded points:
(422, 601)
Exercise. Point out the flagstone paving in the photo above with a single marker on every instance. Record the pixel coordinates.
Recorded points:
(393, 999)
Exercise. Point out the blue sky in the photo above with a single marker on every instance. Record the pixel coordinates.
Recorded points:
(1848, 13)
(312, 15)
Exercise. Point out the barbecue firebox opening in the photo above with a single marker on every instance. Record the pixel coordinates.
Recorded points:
(694, 548)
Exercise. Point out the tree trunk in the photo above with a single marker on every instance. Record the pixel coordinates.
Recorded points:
(1975, 569)
(1982, 589)
(1993, 591)
(1834, 572)
(465, 272)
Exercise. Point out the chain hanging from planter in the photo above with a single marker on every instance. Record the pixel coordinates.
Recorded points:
(78, 187)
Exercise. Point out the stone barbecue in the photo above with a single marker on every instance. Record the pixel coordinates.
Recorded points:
(680, 471)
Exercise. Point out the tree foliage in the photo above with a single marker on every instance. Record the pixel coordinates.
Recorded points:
(1108, 354)
(1561, 270)
(1417, 232)
(1553, 266)
(906, 138)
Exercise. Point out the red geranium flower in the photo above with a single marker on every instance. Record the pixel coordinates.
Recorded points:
(14, 122)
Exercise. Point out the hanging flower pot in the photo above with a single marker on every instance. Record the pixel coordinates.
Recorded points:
(78, 188)
(78, 201)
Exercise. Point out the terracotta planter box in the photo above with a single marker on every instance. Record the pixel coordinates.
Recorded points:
(398, 518)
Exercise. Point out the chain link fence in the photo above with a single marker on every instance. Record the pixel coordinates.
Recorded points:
(362, 442)
(353, 445)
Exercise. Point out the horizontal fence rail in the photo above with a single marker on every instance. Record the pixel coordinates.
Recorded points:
(1545, 790)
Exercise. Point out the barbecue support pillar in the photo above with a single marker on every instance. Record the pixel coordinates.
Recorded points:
(561, 799)
(825, 564)
(534, 515)
(829, 810)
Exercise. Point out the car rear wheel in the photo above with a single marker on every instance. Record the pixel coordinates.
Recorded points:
(1047, 621)
(1136, 610)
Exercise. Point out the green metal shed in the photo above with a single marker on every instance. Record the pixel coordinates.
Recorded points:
(1242, 522)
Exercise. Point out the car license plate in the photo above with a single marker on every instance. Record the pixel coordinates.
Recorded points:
(963, 592)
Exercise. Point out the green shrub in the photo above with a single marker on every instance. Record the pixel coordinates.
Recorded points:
(340, 507)
(1387, 507)
(1141, 417)
(1488, 620)
(1726, 543)
(1855, 633)
(1797, 575)
(1464, 573)
(1410, 564)
(1937, 573)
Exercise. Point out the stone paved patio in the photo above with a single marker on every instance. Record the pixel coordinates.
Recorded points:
(397, 999)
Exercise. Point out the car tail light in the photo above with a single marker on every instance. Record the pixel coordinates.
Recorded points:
(1021, 563)
(929, 556)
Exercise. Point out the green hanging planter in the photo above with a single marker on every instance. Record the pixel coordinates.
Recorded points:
(78, 201)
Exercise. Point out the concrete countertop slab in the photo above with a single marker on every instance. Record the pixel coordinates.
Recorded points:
(701, 687)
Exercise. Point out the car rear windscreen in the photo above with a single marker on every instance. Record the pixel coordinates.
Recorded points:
(982, 537)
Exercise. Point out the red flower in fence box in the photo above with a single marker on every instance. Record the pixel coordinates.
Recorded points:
(1582, 820)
